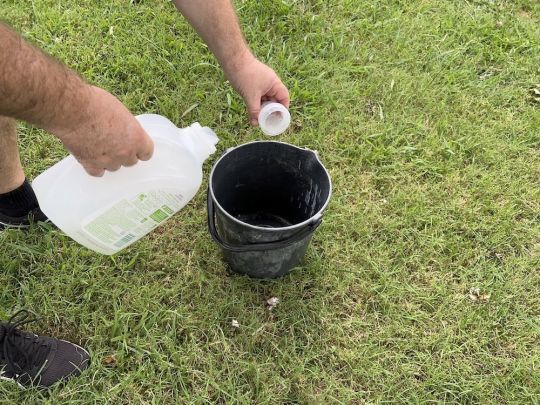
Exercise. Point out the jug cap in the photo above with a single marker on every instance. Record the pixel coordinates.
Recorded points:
(274, 118)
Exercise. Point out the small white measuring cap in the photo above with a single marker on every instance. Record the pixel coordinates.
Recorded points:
(274, 118)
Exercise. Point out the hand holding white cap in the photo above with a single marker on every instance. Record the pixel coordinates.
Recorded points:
(274, 118)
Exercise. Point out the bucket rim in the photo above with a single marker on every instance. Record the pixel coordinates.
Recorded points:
(313, 218)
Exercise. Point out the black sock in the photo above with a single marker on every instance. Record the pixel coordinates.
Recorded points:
(19, 202)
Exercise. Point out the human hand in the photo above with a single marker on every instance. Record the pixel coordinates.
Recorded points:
(257, 83)
(108, 136)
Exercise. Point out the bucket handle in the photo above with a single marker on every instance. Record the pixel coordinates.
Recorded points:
(255, 247)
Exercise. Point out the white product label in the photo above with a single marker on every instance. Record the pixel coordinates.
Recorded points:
(130, 219)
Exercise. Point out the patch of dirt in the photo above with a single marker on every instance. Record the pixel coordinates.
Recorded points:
(524, 14)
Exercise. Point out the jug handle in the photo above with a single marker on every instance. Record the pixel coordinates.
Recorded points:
(256, 247)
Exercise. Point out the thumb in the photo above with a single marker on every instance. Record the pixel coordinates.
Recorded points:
(254, 108)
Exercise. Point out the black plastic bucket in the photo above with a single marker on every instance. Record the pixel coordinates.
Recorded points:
(265, 200)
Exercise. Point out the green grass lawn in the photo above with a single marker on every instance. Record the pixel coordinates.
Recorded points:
(423, 112)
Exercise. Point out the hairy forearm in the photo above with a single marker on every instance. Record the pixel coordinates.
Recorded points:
(36, 88)
(216, 22)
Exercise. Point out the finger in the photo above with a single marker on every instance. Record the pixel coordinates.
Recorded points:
(279, 93)
(254, 108)
(146, 149)
(93, 171)
(144, 145)
(112, 167)
(131, 161)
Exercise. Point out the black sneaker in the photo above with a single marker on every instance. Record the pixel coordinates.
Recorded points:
(38, 361)
(20, 207)
(24, 221)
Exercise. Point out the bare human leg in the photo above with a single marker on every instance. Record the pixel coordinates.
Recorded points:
(11, 172)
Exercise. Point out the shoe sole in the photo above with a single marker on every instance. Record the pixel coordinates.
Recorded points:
(11, 226)
(14, 381)
(3, 225)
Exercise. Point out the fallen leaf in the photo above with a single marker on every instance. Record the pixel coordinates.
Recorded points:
(474, 292)
(109, 361)
(476, 295)
(272, 303)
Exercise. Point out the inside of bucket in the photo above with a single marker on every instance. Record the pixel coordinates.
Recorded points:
(270, 184)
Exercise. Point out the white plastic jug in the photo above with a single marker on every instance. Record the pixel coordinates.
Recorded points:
(109, 213)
